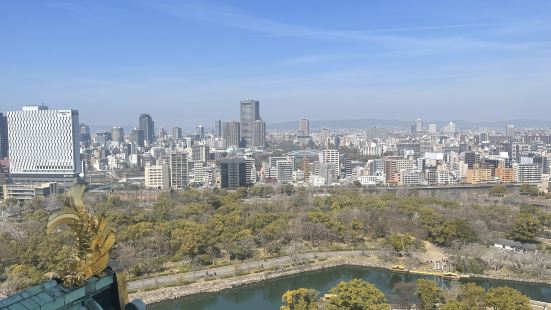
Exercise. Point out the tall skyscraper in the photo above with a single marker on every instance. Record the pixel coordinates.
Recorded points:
(137, 137)
(250, 112)
(258, 134)
(44, 145)
(432, 128)
(148, 127)
(117, 134)
(176, 133)
(85, 133)
(218, 129)
(510, 131)
(231, 134)
(419, 125)
(3, 136)
(200, 132)
(304, 128)
(178, 170)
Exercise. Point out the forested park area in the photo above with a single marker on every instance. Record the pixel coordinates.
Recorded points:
(188, 229)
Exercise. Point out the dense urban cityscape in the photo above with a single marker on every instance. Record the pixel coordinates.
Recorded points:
(44, 149)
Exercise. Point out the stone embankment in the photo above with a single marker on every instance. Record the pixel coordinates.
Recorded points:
(216, 285)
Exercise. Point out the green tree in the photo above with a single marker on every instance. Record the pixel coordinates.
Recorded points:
(528, 189)
(526, 227)
(401, 243)
(300, 299)
(498, 190)
(358, 295)
(471, 295)
(506, 298)
(20, 277)
(241, 192)
(456, 305)
(429, 294)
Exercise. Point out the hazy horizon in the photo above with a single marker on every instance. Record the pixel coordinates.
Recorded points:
(189, 63)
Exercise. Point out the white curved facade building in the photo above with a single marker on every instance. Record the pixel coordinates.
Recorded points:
(44, 145)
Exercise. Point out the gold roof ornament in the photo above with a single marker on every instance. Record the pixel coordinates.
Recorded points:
(93, 240)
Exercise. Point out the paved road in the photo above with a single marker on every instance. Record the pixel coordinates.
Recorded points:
(232, 269)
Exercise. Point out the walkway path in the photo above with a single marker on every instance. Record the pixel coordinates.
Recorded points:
(233, 269)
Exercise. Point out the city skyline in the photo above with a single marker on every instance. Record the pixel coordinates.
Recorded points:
(429, 60)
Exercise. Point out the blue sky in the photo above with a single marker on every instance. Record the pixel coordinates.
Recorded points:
(187, 63)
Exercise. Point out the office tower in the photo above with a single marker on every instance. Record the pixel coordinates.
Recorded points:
(284, 171)
(304, 128)
(3, 136)
(330, 156)
(472, 158)
(432, 128)
(231, 134)
(250, 112)
(178, 170)
(137, 136)
(44, 145)
(85, 136)
(233, 172)
(510, 131)
(200, 153)
(148, 127)
(325, 135)
(162, 134)
(200, 132)
(258, 134)
(117, 134)
(419, 125)
(176, 133)
(101, 137)
(450, 128)
(218, 129)
(157, 176)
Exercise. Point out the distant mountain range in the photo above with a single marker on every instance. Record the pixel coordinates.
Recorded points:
(372, 122)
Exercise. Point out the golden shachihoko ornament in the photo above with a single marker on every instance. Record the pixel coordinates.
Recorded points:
(92, 243)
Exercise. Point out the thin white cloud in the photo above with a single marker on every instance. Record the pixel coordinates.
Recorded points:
(232, 17)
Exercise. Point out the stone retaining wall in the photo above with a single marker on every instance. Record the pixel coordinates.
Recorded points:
(168, 293)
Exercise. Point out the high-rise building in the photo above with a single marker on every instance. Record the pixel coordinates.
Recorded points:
(419, 125)
(85, 136)
(258, 134)
(200, 132)
(304, 128)
(528, 173)
(176, 133)
(44, 145)
(432, 128)
(137, 136)
(231, 134)
(284, 171)
(200, 153)
(450, 128)
(233, 172)
(330, 156)
(3, 136)
(250, 112)
(178, 170)
(148, 127)
(117, 134)
(218, 129)
(510, 131)
(157, 176)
